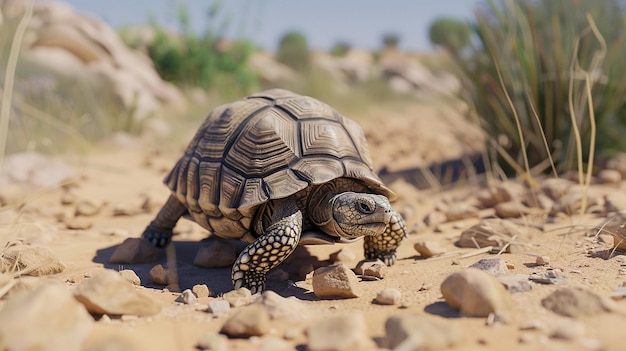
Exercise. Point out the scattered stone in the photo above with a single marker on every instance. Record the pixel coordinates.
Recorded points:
(459, 211)
(201, 290)
(218, 307)
(133, 251)
(345, 255)
(610, 176)
(429, 248)
(160, 275)
(376, 269)
(475, 293)
(565, 329)
(493, 266)
(279, 307)
(491, 197)
(420, 332)
(21, 259)
(555, 188)
(87, 208)
(511, 209)
(344, 332)
(45, 318)
(515, 283)
(239, 297)
(125, 210)
(188, 298)
(336, 281)
(435, 218)
(219, 253)
(78, 223)
(550, 276)
(108, 293)
(212, 341)
(619, 293)
(575, 302)
(542, 261)
(251, 320)
(493, 232)
(388, 296)
(130, 276)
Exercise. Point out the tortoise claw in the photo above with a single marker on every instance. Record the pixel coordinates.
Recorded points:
(157, 237)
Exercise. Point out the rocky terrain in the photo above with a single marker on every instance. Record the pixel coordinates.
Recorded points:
(487, 266)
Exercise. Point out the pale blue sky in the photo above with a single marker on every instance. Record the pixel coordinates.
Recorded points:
(362, 23)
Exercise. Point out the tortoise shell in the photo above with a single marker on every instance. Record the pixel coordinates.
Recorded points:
(267, 146)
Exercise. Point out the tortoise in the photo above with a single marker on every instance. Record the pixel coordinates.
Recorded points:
(277, 169)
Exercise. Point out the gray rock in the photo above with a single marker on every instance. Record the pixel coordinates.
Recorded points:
(23, 259)
(108, 293)
(550, 276)
(515, 283)
(493, 266)
(575, 302)
(133, 251)
(45, 318)
(279, 307)
(336, 281)
(217, 254)
(212, 341)
(376, 269)
(344, 332)
(389, 296)
(475, 293)
(239, 297)
(130, 276)
(188, 297)
(218, 307)
(251, 320)
(420, 332)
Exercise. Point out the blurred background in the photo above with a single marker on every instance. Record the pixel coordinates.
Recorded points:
(536, 85)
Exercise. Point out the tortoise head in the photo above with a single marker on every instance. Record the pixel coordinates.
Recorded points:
(360, 214)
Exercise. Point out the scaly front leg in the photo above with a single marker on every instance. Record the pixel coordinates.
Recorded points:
(383, 247)
(268, 251)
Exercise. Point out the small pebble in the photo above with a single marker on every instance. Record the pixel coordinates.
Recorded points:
(251, 320)
(130, 276)
(239, 297)
(388, 296)
(543, 260)
(188, 297)
(201, 290)
(493, 266)
(376, 269)
(159, 275)
(218, 307)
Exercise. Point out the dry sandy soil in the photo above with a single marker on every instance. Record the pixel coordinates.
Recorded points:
(124, 176)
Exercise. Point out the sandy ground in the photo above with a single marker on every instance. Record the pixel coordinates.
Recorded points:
(125, 176)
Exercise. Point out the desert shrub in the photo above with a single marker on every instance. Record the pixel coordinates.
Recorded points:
(293, 51)
(340, 49)
(451, 34)
(546, 77)
(204, 60)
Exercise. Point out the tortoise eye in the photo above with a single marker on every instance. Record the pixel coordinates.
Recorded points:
(364, 207)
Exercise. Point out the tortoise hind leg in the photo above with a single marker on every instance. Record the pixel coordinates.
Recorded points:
(268, 251)
(383, 247)
(159, 232)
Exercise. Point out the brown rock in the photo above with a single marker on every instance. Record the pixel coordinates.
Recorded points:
(161, 275)
(345, 255)
(429, 248)
(475, 293)
(610, 176)
(336, 281)
(420, 332)
(201, 290)
(511, 209)
(23, 259)
(251, 320)
(219, 253)
(109, 293)
(345, 332)
(134, 250)
(493, 196)
(78, 223)
(279, 307)
(212, 341)
(45, 318)
(376, 269)
(458, 211)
